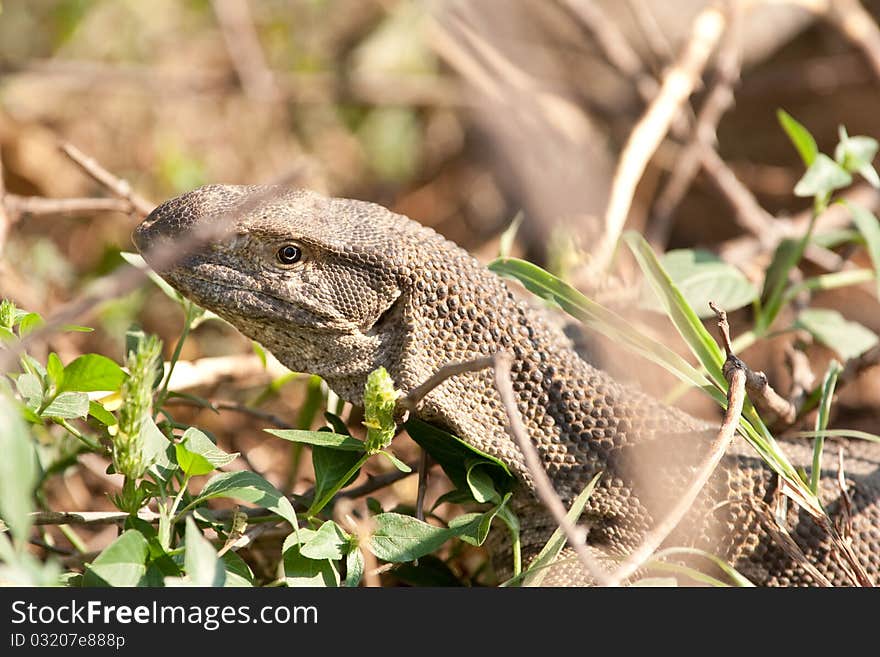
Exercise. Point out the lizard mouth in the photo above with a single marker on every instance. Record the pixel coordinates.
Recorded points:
(251, 302)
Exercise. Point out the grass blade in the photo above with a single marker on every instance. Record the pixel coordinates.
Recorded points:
(677, 308)
(828, 385)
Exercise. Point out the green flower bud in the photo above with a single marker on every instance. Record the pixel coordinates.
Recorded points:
(137, 406)
(380, 397)
(7, 314)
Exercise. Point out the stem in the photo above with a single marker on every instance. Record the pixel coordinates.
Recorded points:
(822, 423)
(187, 326)
(829, 282)
(777, 296)
(321, 503)
(74, 538)
(517, 554)
(91, 444)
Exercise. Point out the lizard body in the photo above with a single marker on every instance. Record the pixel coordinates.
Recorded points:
(339, 287)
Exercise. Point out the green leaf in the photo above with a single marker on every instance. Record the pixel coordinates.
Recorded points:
(202, 566)
(18, 471)
(823, 177)
(828, 384)
(474, 530)
(68, 405)
(534, 574)
(480, 482)
(55, 371)
(841, 433)
(855, 154)
(869, 227)
(238, 573)
(396, 462)
(92, 372)
(337, 423)
(676, 306)
(197, 442)
(320, 439)
(302, 571)
(29, 323)
(157, 450)
(801, 138)
(505, 243)
(397, 538)
(122, 563)
(31, 390)
(354, 568)
(250, 487)
(259, 351)
(738, 578)
(334, 470)
(600, 319)
(329, 542)
(191, 463)
(101, 414)
(848, 339)
(702, 277)
(76, 328)
(452, 453)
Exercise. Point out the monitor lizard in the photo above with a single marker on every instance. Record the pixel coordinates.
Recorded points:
(338, 287)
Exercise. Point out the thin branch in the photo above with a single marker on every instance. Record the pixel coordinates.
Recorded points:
(245, 51)
(370, 87)
(540, 479)
(700, 151)
(126, 279)
(736, 378)
(678, 84)
(411, 401)
(219, 405)
(614, 45)
(40, 206)
(116, 185)
(770, 404)
(855, 23)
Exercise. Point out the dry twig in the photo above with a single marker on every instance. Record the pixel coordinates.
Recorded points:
(116, 185)
(245, 51)
(736, 378)
(678, 84)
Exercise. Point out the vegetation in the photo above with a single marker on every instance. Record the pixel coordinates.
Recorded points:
(112, 475)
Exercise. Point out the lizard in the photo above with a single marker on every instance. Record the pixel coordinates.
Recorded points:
(339, 287)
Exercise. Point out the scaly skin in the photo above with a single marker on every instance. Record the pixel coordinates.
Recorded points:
(374, 288)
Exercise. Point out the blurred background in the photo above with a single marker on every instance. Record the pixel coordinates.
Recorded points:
(462, 115)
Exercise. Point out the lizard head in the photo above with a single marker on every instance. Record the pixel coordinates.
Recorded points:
(314, 279)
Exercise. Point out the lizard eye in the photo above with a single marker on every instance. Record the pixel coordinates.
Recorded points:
(288, 254)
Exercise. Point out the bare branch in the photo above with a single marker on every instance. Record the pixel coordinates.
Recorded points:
(411, 401)
(116, 185)
(678, 84)
(40, 206)
(540, 479)
(654, 538)
(245, 51)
